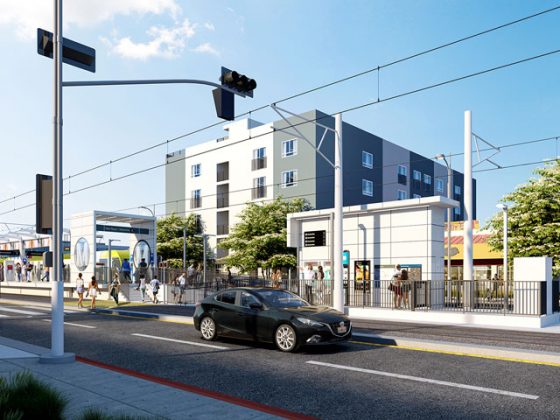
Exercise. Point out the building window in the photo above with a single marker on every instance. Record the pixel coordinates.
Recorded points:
(457, 189)
(259, 159)
(195, 170)
(196, 199)
(417, 175)
(367, 187)
(439, 185)
(402, 174)
(222, 222)
(289, 148)
(416, 196)
(401, 195)
(222, 196)
(427, 179)
(289, 179)
(222, 171)
(367, 159)
(259, 188)
(457, 211)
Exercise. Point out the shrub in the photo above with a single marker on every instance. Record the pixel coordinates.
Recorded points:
(24, 397)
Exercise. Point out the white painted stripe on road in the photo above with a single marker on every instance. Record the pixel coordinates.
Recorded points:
(426, 380)
(19, 311)
(72, 324)
(48, 309)
(192, 343)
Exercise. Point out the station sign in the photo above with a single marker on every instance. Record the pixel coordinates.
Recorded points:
(122, 229)
(315, 238)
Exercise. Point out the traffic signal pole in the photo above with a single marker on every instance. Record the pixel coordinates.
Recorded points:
(338, 294)
(57, 354)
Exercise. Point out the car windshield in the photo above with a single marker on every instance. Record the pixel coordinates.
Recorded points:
(282, 299)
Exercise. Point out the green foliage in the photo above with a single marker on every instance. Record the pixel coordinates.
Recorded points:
(24, 397)
(97, 414)
(533, 218)
(170, 239)
(259, 239)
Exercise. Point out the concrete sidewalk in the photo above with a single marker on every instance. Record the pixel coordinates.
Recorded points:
(114, 392)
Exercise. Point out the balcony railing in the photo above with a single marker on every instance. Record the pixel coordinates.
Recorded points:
(258, 192)
(258, 163)
(222, 200)
(196, 202)
(222, 229)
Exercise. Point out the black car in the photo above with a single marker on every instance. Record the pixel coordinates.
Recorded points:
(269, 315)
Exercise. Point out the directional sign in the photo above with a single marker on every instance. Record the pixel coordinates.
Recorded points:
(9, 253)
(315, 238)
(122, 229)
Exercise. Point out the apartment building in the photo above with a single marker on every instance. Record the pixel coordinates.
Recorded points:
(258, 162)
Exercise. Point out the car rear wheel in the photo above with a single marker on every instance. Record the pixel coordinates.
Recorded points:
(208, 328)
(285, 338)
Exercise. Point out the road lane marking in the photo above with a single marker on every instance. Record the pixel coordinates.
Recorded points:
(72, 324)
(48, 309)
(19, 311)
(455, 353)
(192, 343)
(426, 380)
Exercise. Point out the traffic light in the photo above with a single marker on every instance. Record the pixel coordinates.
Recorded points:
(224, 99)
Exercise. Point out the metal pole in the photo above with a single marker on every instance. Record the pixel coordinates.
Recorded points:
(338, 301)
(109, 262)
(184, 248)
(506, 298)
(449, 195)
(204, 260)
(468, 272)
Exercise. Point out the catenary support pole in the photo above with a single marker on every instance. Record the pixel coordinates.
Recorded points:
(468, 272)
(338, 221)
(506, 297)
(449, 219)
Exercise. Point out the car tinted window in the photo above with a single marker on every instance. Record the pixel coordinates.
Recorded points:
(227, 297)
(281, 298)
(247, 299)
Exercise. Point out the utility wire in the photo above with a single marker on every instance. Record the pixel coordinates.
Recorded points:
(378, 68)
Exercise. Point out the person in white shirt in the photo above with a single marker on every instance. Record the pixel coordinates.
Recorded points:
(309, 276)
(142, 287)
(155, 284)
(182, 286)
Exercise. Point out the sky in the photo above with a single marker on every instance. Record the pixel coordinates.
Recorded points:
(288, 46)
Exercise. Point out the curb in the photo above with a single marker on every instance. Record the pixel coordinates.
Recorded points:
(463, 349)
(147, 315)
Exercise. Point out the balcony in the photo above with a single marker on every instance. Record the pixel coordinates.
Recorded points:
(222, 229)
(258, 163)
(196, 202)
(258, 192)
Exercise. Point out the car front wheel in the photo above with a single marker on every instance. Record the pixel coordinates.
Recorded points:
(285, 338)
(208, 328)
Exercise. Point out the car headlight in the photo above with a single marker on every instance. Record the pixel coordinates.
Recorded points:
(310, 322)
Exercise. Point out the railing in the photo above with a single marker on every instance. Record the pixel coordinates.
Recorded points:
(479, 296)
(258, 163)
(222, 229)
(196, 202)
(258, 192)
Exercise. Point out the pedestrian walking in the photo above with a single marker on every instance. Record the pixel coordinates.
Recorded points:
(125, 268)
(309, 276)
(182, 286)
(45, 275)
(28, 270)
(80, 289)
(115, 288)
(395, 287)
(18, 271)
(175, 289)
(155, 284)
(142, 287)
(93, 291)
(405, 286)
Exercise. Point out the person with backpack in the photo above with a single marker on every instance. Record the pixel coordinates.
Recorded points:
(114, 288)
(155, 284)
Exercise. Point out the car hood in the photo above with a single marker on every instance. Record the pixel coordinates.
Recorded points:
(317, 313)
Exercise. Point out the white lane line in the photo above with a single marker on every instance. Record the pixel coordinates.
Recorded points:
(426, 380)
(192, 343)
(72, 324)
(48, 309)
(19, 311)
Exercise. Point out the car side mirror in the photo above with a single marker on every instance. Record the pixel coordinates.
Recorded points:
(256, 305)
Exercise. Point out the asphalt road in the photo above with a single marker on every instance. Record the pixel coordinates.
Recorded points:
(354, 380)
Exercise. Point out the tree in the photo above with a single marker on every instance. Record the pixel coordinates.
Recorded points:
(170, 239)
(259, 239)
(533, 218)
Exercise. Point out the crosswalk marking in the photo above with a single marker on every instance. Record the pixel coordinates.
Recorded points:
(73, 324)
(20, 311)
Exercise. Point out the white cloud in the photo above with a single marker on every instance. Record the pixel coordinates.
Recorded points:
(25, 16)
(209, 26)
(165, 42)
(206, 48)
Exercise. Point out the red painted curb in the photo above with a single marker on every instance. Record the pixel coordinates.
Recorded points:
(280, 412)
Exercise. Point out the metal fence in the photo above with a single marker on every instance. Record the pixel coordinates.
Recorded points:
(481, 296)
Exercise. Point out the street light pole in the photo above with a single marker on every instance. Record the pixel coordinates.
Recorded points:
(184, 248)
(338, 294)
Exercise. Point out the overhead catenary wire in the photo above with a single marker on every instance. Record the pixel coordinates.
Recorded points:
(378, 68)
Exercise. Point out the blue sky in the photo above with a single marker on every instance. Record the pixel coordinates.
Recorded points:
(288, 47)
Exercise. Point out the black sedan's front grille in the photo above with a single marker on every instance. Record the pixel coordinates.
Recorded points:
(335, 325)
